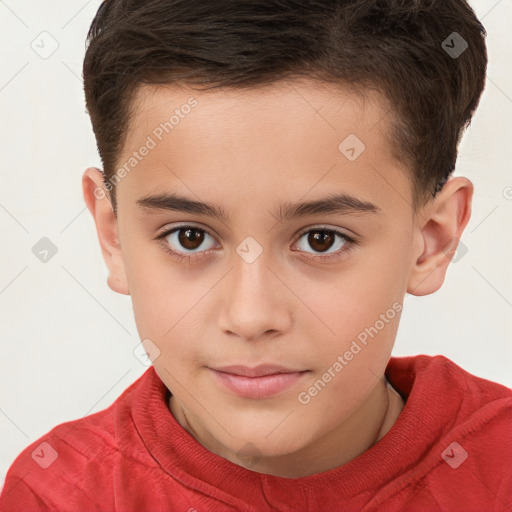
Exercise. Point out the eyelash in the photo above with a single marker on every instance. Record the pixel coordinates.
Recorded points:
(350, 243)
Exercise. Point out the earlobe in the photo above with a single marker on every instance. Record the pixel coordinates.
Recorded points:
(438, 233)
(99, 204)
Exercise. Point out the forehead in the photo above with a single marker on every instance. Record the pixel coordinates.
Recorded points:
(286, 101)
(287, 137)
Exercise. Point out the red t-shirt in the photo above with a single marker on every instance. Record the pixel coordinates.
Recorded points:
(449, 450)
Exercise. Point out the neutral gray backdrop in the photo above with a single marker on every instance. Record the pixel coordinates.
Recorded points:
(67, 340)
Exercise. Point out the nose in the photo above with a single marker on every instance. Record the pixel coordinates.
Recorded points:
(256, 302)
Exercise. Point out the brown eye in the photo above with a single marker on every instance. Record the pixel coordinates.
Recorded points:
(190, 238)
(321, 240)
(187, 240)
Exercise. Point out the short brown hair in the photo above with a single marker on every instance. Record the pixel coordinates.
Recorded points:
(399, 47)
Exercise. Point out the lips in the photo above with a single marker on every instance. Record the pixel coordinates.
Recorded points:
(257, 371)
(259, 382)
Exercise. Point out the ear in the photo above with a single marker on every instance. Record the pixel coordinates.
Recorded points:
(438, 231)
(99, 204)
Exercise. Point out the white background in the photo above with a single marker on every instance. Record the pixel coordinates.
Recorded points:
(67, 340)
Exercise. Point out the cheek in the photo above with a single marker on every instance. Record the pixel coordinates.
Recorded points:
(359, 313)
(353, 299)
(160, 292)
(169, 309)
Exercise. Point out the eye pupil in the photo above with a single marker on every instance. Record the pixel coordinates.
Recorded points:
(318, 238)
(189, 237)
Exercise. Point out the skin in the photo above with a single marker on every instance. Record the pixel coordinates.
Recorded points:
(248, 152)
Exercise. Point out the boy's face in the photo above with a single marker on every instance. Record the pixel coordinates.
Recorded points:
(256, 289)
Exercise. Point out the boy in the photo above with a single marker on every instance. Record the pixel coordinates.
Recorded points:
(277, 176)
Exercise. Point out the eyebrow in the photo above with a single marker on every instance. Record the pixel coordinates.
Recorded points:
(330, 205)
